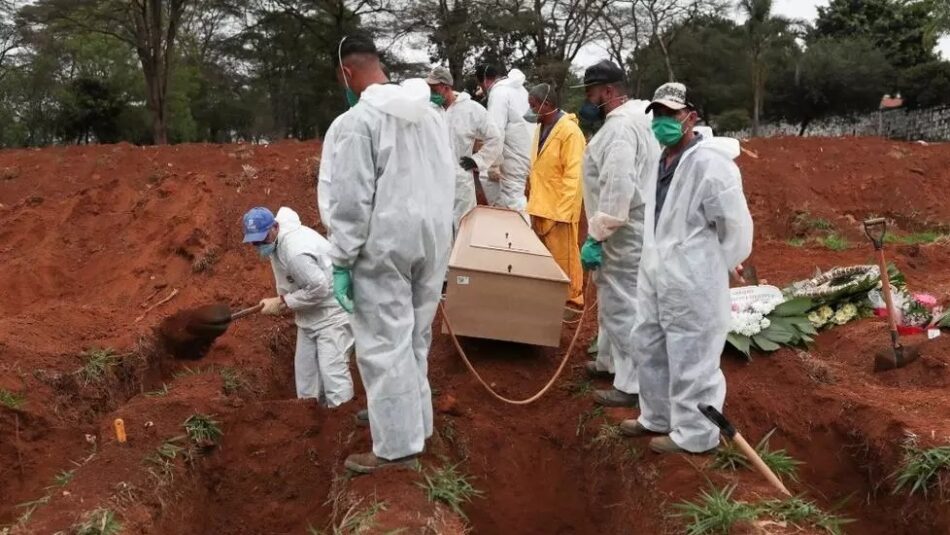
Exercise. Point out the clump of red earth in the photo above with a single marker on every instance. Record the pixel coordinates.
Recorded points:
(91, 237)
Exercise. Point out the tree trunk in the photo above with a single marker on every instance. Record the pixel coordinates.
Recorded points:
(801, 131)
(666, 59)
(756, 103)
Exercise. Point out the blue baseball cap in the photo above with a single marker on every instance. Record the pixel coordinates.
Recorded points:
(257, 222)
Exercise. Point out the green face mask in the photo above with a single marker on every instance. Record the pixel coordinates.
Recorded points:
(668, 130)
(351, 97)
(437, 99)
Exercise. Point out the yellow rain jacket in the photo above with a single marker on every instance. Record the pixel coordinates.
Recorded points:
(556, 173)
(555, 197)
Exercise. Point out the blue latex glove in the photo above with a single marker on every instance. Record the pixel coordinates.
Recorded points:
(592, 254)
(343, 287)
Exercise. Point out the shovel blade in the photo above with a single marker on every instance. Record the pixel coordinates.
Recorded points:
(896, 357)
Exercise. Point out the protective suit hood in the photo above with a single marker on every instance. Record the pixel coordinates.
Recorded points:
(630, 109)
(727, 146)
(515, 78)
(461, 97)
(288, 220)
(408, 101)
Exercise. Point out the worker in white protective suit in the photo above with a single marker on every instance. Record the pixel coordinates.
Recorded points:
(507, 105)
(619, 163)
(390, 223)
(698, 230)
(300, 258)
(468, 122)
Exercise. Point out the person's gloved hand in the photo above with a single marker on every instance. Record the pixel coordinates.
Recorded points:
(272, 306)
(592, 254)
(343, 287)
(467, 163)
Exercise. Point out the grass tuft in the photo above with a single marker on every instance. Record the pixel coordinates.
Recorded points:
(11, 400)
(163, 391)
(921, 467)
(728, 457)
(98, 362)
(916, 238)
(798, 511)
(202, 429)
(714, 511)
(779, 461)
(607, 435)
(449, 486)
(835, 242)
(63, 478)
(797, 242)
(232, 381)
(354, 521)
(98, 522)
(580, 388)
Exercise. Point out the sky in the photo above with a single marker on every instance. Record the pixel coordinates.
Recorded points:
(798, 9)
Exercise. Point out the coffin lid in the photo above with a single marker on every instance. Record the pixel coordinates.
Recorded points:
(496, 240)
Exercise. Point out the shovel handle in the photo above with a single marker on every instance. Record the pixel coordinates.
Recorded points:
(876, 229)
(246, 312)
(758, 464)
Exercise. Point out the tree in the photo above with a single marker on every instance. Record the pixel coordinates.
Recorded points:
(831, 77)
(762, 30)
(927, 84)
(663, 20)
(150, 27)
(900, 28)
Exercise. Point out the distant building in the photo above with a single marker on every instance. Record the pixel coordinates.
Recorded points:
(889, 103)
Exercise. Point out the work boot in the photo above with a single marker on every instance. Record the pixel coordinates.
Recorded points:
(633, 428)
(616, 398)
(362, 418)
(594, 372)
(367, 463)
(665, 444)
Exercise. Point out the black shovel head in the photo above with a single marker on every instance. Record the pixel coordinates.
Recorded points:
(189, 333)
(895, 357)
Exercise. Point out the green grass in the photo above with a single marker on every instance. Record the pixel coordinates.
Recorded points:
(921, 468)
(98, 522)
(821, 224)
(11, 400)
(202, 429)
(354, 521)
(586, 417)
(449, 486)
(232, 381)
(714, 512)
(728, 457)
(580, 388)
(915, 238)
(97, 363)
(797, 242)
(163, 391)
(798, 511)
(779, 461)
(29, 508)
(162, 460)
(835, 242)
(63, 478)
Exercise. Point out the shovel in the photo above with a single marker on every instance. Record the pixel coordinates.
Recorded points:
(732, 434)
(897, 356)
(202, 324)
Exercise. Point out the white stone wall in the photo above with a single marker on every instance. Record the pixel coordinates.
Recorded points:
(931, 124)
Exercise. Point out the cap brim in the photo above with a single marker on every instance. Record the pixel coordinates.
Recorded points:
(255, 236)
(675, 106)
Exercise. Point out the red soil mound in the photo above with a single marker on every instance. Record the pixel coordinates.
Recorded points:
(91, 237)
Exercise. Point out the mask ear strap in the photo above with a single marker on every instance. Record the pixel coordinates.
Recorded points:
(339, 55)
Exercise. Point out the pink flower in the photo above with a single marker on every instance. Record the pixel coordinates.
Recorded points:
(926, 300)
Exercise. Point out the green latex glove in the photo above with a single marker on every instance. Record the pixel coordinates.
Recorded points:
(592, 254)
(343, 287)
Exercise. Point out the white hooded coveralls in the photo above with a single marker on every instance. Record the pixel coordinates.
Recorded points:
(390, 221)
(619, 163)
(703, 231)
(304, 274)
(468, 121)
(507, 105)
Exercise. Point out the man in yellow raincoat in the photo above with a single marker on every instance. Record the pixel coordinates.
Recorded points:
(555, 184)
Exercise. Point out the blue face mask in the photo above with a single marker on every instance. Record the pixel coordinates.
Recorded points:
(590, 112)
(266, 249)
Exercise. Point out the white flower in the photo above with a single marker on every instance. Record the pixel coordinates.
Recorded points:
(764, 323)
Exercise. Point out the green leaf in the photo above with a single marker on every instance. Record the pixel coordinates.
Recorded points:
(793, 307)
(778, 334)
(803, 325)
(765, 344)
(742, 343)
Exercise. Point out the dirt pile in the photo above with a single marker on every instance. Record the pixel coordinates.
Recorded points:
(94, 238)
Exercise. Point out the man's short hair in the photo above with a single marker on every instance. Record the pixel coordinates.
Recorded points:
(354, 44)
(545, 93)
(486, 72)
